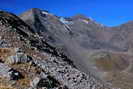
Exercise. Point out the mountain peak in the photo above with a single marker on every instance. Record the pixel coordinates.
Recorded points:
(35, 9)
(80, 16)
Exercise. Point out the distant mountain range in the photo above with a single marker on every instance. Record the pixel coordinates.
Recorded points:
(41, 50)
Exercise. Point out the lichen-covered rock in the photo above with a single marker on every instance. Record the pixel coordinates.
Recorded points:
(18, 58)
(4, 69)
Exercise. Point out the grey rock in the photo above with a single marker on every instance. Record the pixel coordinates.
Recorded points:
(4, 69)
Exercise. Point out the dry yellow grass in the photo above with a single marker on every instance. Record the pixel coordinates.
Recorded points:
(24, 83)
(5, 53)
(4, 84)
(5, 87)
(28, 71)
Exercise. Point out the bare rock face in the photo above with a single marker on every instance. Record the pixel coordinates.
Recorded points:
(28, 61)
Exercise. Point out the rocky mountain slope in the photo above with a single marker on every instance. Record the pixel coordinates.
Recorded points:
(39, 50)
(27, 61)
(81, 39)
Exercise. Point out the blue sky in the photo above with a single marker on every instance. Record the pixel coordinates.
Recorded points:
(107, 12)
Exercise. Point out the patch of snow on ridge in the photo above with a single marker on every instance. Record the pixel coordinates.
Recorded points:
(85, 21)
(44, 12)
(92, 20)
(65, 21)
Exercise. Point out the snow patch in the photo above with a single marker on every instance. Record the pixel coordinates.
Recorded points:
(65, 21)
(85, 21)
(44, 12)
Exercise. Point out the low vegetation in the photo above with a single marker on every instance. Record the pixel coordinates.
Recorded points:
(5, 53)
(122, 80)
(106, 61)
